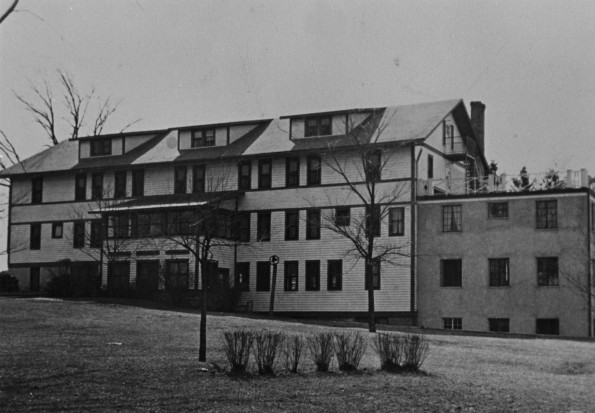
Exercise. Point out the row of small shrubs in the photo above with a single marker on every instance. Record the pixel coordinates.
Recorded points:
(397, 353)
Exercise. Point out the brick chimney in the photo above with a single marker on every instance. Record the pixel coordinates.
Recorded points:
(478, 124)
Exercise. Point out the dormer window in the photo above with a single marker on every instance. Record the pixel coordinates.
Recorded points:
(202, 138)
(101, 147)
(318, 126)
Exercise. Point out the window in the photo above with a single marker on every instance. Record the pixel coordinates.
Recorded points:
(224, 226)
(430, 167)
(263, 276)
(118, 277)
(181, 222)
(291, 275)
(120, 184)
(101, 147)
(499, 272)
(292, 172)
(342, 217)
(35, 237)
(138, 182)
(396, 221)
(97, 185)
(499, 325)
(176, 274)
(198, 179)
(119, 228)
(96, 236)
(292, 225)
(497, 209)
(243, 226)
(334, 275)
(34, 279)
(452, 323)
(547, 214)
(448, 133)
(180, 179)
(452, 273)
(313, 224)
(57, 230)
(245, 175)
(78, 234)
(318, 126)
(312, 275)
(373, 269)
(80, 187)
(452, 218)
(314, 170)
(202, 137)
(242, 276)
(37, 190)
(547, 271)
(263, 226)
(373, 220)
(373, 166)
(264, 174)
(549, 326)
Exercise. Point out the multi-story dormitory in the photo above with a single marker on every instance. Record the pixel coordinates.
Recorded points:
(475, 255)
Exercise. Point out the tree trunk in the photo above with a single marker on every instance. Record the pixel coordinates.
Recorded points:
(370, 285)
(202, 348)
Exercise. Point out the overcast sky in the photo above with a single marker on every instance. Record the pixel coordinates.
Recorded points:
(174, 63)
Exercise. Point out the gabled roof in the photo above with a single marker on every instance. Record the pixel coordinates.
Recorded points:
(398, 124)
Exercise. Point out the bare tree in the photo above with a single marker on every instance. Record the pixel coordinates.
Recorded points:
(72, 108)
(9, 10)
(360, 162)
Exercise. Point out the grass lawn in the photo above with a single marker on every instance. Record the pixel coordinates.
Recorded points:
(86, 356)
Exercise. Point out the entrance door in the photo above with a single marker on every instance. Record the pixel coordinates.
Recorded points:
(147, 278)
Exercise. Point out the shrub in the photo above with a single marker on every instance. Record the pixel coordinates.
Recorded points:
(401, 353)
(349, 348)
(267, 346)
(415, 351)
(321, 350)
(8, 282)
(292, 352)
(389, 348)
(237, 349)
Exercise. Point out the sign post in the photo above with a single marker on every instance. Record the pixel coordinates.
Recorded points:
(274, 260)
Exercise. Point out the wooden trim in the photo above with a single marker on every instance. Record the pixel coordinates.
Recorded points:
(177, 252)
(228, 136)
(147, 253)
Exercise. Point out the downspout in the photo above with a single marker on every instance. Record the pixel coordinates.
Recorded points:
(590, 265)
(8, 246)
(414, 163)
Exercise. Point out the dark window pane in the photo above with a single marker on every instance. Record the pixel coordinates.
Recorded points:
(453, 323)
(37, 190)
(245, 175)
(430, 167)
(97, 185)
(263, 226)
(120, 184)
(291, 275)
(335, 275)
(263, 276)
(198, 179)
(452, 218)
(312, 275)
(35, 237)
(547, 272)
(314, 170)
(96, 236)
(342, 217)
(292, 172)
(373, 270)
(499, 325)
(78, 234)
(57, 230)
(373, 220)
(498, 210)
(452, 273)
(291, 225)
(499, 272)
(180, 180)
(547, 214)
(80, 187)
(138, 182)
(549, 326)
(264, 174)
(242, 276)
(396, 225)
(313, 224)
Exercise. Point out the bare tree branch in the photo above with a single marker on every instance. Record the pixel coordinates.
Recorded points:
(9, 11)
(43, 112)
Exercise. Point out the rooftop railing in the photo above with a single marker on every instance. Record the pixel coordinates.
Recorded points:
(545, 181)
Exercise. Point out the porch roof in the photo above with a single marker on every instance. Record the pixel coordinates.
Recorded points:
(156, 202)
